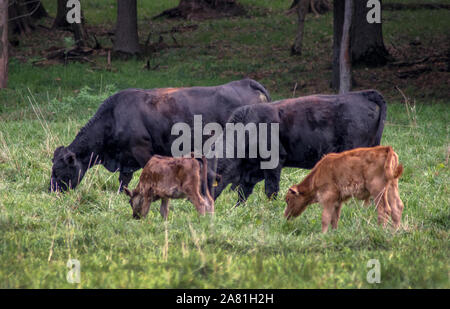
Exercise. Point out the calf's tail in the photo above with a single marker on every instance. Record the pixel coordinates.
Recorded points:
(392, 170)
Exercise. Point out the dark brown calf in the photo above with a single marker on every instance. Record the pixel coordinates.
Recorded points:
(165, 178)
(361, 173)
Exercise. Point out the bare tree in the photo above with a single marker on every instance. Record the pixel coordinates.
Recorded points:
(60, 20)
(126, 38)
(345, 63)
(3, 43)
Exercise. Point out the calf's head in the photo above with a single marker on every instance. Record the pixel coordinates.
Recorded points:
(137, 203)
(297, 199)
(67, 170)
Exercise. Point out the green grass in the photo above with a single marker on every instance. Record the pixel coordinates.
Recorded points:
(247, 247)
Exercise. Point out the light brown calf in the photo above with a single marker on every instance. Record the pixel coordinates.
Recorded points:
(361, 173)
(165, 178)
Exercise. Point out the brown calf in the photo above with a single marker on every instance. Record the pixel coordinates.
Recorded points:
(361, 173)
(165, 178)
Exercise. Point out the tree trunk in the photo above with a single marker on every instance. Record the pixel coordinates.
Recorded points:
(338, 22)
(61, 16)
(80, 34)
(367, 39)
(126, 37)
(3, 43)
(345, 63)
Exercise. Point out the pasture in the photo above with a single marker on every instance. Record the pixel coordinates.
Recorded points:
(251, 246)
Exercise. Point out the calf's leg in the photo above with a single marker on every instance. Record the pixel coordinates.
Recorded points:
(377, 188)
(381, 208)
(329, 201)
(192, 191)
(396, 204)
(147, 201)
(336, 216)
(327, 214)
(164, 209)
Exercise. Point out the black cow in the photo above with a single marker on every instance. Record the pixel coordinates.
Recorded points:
(309, 128)
(134, 124)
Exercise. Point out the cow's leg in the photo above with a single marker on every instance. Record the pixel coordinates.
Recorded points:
(244, 190)
(164, 209)
(336, 216)
(272, 176)
(217, 190)
(272, 182)
(247, 183)
(124, 180)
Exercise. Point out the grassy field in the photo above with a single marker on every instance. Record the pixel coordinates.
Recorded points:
(247, 247)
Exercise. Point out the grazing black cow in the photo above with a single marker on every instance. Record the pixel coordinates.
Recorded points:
(134, 124)
(309, 128)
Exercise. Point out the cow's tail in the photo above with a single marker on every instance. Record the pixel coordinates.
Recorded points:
(265, 96)
(376, 97)
(392, 170)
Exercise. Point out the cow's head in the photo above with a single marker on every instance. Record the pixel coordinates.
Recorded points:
(67, 170)
(137, 202)
(297, 199)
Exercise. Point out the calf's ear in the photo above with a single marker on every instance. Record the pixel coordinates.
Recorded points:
(294, 191)
(127, 191)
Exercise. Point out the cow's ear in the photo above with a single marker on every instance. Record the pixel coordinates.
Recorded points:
(294, 191)
(127, 192)
(69, 157)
